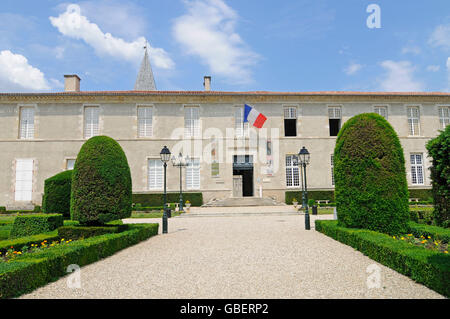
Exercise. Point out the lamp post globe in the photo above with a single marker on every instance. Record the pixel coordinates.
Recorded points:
(165, 157)
(303, 159)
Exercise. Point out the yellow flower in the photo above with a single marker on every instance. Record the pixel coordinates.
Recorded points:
(423, 241)
(409, 235)
(429, 237)
(20, 253)
(445, 252)
(402, 238)
(393, 237)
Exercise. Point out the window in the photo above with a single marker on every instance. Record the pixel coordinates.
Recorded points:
(24, 180)
(91, 120)
(290, 121)
(27, 123)
(145, 118)
(413, 120)
(155, 174)
(417, 169)
(332, 170)
(334, 119)
(193, 174)
(241, 128)
(381, 110)
(191, 122)
(292, 177)
(70, 163)
(444, 116)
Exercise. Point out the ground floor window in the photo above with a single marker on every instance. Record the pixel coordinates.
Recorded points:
(24, 180)
(292, 177)
(155, 174)
(416, 169)
(193, 174)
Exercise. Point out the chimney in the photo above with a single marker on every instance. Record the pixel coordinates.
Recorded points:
(71, 83)
(207, 83)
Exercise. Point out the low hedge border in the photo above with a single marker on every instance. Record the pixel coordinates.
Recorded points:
(18, 243)
(77, 232)
(435, 232)
(34, 270)
(425, 266)
(35, 224)
(156, 199)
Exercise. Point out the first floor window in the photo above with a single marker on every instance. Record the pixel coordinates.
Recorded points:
(290, 121)
(24, 180)
(70, 164)
(193, 174)
(381, 110)
(26, 122)
(414, 120)
(191, 122)
(155, 174)
(417, 169)
(444, 116)
(334, 120)
(145, 117)
(241, 127)
(292, 177)
(91, 120)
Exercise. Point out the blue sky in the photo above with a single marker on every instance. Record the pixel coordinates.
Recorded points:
(303, 45)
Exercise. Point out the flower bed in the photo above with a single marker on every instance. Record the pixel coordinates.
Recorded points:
(31, 270)
(426, 266)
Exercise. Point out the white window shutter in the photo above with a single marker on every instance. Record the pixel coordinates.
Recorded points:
(91, 120)
(27, 123)
(145, 121)
(155, 174)
(24, 180)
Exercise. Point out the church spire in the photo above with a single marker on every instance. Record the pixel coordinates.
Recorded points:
(145, 80)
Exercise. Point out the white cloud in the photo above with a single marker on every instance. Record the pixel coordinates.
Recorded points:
(17, 75)
(207, 31)
(433, 68)
(411, 49)
(399, 77)
(352, 68)
(441, 36)
(73, 24)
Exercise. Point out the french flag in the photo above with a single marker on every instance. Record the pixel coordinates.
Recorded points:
(252, 116)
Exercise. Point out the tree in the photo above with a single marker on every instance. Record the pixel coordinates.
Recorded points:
(101, 183)
(439, 149)
(56, 197)
(370, 178)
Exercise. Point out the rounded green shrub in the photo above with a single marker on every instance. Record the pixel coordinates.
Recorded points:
(370, 178)
(439, 149)
(56, 197)
(101, 183)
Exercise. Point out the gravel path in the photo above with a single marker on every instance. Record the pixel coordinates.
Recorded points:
(236, 257)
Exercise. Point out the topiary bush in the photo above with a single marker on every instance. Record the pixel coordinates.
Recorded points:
(56, 197)
(439, 149)
(370, 178)
(101, 183)
(26, 225)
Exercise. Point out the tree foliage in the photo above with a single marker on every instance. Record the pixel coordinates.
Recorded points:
(370, 178)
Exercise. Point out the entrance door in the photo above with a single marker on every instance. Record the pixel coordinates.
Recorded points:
(243, 166)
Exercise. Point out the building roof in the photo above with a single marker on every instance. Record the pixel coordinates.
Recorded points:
(145, 80)
(216, 93)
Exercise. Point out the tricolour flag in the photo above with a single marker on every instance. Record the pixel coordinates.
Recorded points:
(252, 116)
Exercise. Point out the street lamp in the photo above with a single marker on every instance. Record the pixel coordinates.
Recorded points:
(165, 157)
(180, 162)
(303, 160)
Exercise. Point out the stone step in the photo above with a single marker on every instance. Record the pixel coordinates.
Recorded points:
(243, 201)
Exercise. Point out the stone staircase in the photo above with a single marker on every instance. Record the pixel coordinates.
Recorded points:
(244, 201)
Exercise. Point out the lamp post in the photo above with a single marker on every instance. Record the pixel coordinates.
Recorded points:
(180, 162)
(303, 159)
(165, 157)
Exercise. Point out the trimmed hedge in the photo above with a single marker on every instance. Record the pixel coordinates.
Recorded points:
(157, 199)
(315, 195)
(101, 183)
(56, 199)
(423, 265)
(424, 195)
(439, 149)
(370, 176)
(33, 270)
(18, 243)
(435, 232)
(77, 232)
(35, 224)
